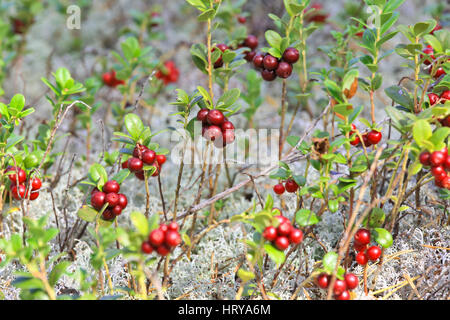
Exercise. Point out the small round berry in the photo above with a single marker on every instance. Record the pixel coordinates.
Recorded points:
(359, 246)
(241, 19)
(172, 238)
(18, 192)
(213, 133)
(447, 163)
(146, 247)
(356, 140)
(282, 243)
(161, 159)
(228, 136)
(149, 157)
(222, 47)
(284, 70)
(36, 184)
(439, 72)
(284, 229)
(34, 195)
(19, 174)
(291, 55)
(251, 41)
(339, 286)
(362, 236)
(291, 186)
(296, 236)
(125, 164)
(258, 60)
(123, 201)
(446, 182)
(270, 233)
(345, 295)
(282, 219)
(270, 62)
(374, 137)
(227, 125)
(215, 117)
(279, 188)
(351, 280)
(437, 158)
(434, 98)
(250, 55)
(112, 199)
(361, 258)
(373, 253)
(173, 226)
(139, 150)
(163, 250)
(438, 180)
(445, 95)
(268, 75)
(202, 115)
(164, 228)
(366, 141)
(438, 170)
(156, 237)
(98, 200)
(157, 169)
(135, 164)
(424, 158)
(140, 175)
(108, 215)
(323, 280)
(429, 51)
(117, 210)
(111, 186)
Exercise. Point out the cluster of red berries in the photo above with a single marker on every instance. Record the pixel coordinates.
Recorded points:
(435, 99)
(216, 127)
(370, 138)
(19, 191)
(110, 194)
(273, 67)
(143, 155)
(360, 243)
(285, 234)
(289, 185)
(162, 240)
(109, 78)
(250, 42)
(341, 287)
(318, 15)
(430, 51)
(440, 164)
(169, 73)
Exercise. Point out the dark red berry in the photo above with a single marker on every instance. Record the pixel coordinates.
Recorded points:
(146, 247)
(351, 280)
(445, 95)
(439, 72)
(359, 246)
(163, 250)
(437, 158)
(161, 159)
(112, 199)
(270, 233)
(434, 98)
(339, 287)
(227, 125)
(429, 51)
(125, 164)
(156, 237)
(111, 186)
(291, 55)
(258, 60)
(98, 200)
(123, 201)
(291, 186)
(202, 114)
(140, 175)
(362, 236)
(424, 158)
(108, 215)
(213, 133)
(139, 150)
(228, 136)
(282, 243)
(373, 253)
(250, 55)
(149, 157)
(284, 70)
(34, 195)
(251, 41)
(135, 164)
(447, 163)
(268, 75)
(373, 137)
(270, 62)
(241, 19)
(296, 236)
(172, 238)
(215, 117)
(361, 258)
(278, 188)
(323, 280)
(366, 140)
(117, 210)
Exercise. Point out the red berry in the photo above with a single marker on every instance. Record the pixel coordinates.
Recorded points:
(373, 253)
(424, 158)
(279, 188)
(339, 287)
(112, 199)
(438, 170)
(241, 19)
(173, 226)
(438, 27)
(18, 192)
(125, 164)
(351, 280)
(108, 215)
(146, 247)
(227, 125)
(158, 169)
(282, 243)
(98, 200)
(139, 150)
(202, 115)
(270, 233)
(222, 47)
(164, 228)
(429, 51)
(250, 55)
(123, 201)
(172, 238)
(445, 95)
(284, 229)
(366, 141)
(111, 186)
(439, 72)
(446, 182)
(361, 258)
(268, 75)
(284, 70)
(356, 140)
(17, 174)
(135, 164)
(117, 210)
(291, 186)
(359, 246)
(296, 236)
(163, 250)
(270, 62)
(148, 157)
(251, 41)
(291, 55)
(362, 236)
(258, 60)
(215, 117)
(374, 137)
(434, 98)
(160, 158)
(156, 237)
(36, 184)
(34, 195)
(323, 280)
(447, 163)
(437, 158)
(345, 295)
(140, 175)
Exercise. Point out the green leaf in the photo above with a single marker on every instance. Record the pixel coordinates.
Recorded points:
(134, 125)
(121, 176)
(17, 102)
(329, 261)
(377, 217)
(98, 174)
(245, 275)
(140, 223)
(208, 14)
(57, 272)
(293, 140)
(383, 237)
(274, 39)
(422, 132)
(276, 255)
(87, 213)
(305, 217)
(401, 96)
